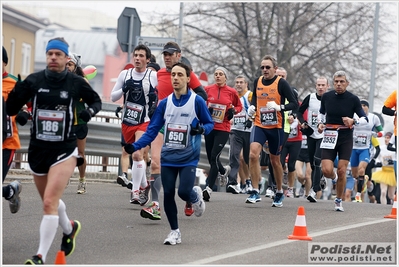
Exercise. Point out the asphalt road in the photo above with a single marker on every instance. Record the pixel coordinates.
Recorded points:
(230, 232)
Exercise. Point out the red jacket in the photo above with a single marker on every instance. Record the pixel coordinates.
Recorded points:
(221, 99)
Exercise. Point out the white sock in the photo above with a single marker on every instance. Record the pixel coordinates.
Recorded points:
(48, 229)
(144, 182)
(138, 171)
(64, 221)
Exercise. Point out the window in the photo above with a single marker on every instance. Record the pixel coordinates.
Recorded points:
(26, 58)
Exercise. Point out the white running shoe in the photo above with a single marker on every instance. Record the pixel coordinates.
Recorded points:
(199, 206)
(206, 193)
(174, 237)
(81, 188)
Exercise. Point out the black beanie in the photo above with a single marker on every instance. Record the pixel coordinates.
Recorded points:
(154, 65)
(5, 57)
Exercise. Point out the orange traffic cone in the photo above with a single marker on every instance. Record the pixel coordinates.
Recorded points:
(393, 212)
(300, 231)
(60, 258)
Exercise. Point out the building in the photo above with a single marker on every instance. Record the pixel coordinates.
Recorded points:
(19, 39)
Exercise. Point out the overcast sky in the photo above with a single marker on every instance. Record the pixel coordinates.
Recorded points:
(112, 8)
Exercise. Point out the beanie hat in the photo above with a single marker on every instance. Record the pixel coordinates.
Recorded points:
(223, 70)
(154, 65)
(364, 102)
(75, 58)
(5, 57)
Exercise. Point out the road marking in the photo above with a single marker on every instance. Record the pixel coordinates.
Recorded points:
(282, 242)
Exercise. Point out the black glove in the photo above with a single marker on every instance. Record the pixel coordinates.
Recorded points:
(152, 105)
(129, 84)
(378, 165)
(129, 148)
(117, 110)
(22, 118)
(248, 124)
(85, 115)
(196, 130)
(390, 162)
(230, 113)
(210, 110)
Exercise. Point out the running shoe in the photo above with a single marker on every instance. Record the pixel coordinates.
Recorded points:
(152, 212)
(302, 191)
(338, 205)
(122, 180)
(290, 193)
(15, 200)
(81, 188)
(248, 186)
(68, 241)
(278, 200)
(199, 206)
(253, 198)
(206, 193)
(174, 237)
(358, 199)
(143, 194)
(323, 183)
(269, 192)
(188, 209)
(262, 185)
(235, 189)
(312, 196)
(135, 197)
(36, 260)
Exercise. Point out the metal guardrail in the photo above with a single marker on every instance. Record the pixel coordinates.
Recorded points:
(103, 147)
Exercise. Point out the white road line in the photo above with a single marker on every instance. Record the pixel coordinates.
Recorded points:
(282, 242)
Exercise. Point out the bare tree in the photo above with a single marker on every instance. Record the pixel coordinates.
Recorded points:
(308, 40)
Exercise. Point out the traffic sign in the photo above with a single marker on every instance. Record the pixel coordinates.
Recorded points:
(129, 26)
(154, 43)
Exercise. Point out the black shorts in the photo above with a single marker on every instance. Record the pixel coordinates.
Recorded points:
(81, 131)
(303, 155)
(41, 160)
(343, 147)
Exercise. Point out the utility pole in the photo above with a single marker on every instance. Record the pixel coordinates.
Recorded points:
(374, 57)
(180, 33)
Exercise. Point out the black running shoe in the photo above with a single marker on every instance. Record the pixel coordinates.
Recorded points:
(68, 241)
(36, 260)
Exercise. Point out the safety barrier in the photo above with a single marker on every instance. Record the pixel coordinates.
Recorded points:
(103, 143)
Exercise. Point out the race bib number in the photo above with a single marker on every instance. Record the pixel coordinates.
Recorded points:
(329, 140)
(175, 135)
(50, 125)
(360, 140)
(133, 113)
(304, 143)
(293, 132)
(218, 112)
(239, 121)
(314, 120)
(268, 116)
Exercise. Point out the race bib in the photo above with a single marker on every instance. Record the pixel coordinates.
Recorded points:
(239, 121)
(268, 116)
(360, 140)
(175, 135)
(133, 113)
(50, 125)
(218, 112)
(329, 140)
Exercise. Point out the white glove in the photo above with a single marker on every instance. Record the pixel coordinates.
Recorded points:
(251, 111)
(273, 105)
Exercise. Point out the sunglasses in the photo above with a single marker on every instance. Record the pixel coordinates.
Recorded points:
(265, 67)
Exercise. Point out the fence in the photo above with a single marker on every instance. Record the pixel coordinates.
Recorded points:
(103, 147)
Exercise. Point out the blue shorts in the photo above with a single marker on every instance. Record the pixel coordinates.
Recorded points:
(350, 183)
(359, 155)
(274, 136)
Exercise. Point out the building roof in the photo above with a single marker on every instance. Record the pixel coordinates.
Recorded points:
(92, 45)
(23, 20)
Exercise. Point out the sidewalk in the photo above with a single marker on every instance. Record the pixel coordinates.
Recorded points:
(25, 176)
